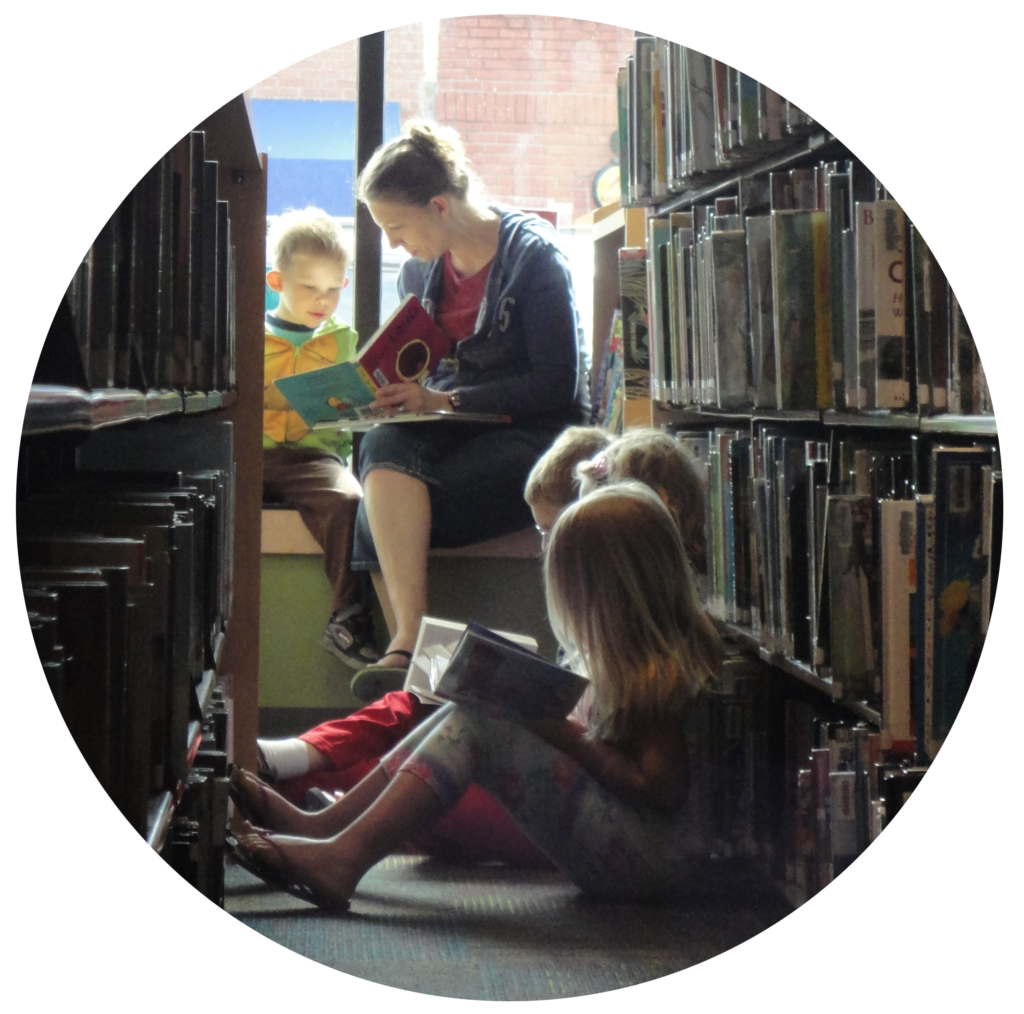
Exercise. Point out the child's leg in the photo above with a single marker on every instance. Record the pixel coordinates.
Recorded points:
(602, 844)
(326, 495)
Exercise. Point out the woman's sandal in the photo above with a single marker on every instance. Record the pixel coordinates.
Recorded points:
(377, 680)
(242, 799)
(246, 849)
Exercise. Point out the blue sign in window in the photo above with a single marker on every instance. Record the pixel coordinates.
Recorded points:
(311, 152)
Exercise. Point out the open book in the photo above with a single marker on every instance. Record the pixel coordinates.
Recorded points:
(435, 644)
(405, 348)
(489, 669)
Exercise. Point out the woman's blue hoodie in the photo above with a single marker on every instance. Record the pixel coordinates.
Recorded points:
(525, 358)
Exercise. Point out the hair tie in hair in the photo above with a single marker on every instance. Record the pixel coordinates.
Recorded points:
(600, 463)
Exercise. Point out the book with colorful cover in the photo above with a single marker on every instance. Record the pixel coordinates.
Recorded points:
(493, 672)
(406, 347)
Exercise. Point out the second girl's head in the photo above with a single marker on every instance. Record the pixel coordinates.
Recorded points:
(414, 186)
(620, 592)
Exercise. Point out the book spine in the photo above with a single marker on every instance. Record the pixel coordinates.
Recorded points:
(701, 107)
(822, 308)
(865, 239)
(898, 532)
(963, 358)
(635, 339)
(729, 526)
(957, 480)
(843, 819)
(659, 126)
(837, 209)
(851, 577)
(893, 384)
(793, 299)
(925, 624)
(921, 274)
(732, 336)
(622, 93)
(644, 52)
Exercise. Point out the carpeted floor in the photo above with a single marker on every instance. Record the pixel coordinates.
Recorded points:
(491, 933)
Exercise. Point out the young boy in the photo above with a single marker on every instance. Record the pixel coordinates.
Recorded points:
(302, 468)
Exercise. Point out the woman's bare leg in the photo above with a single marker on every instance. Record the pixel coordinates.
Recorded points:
(398, 511)
(385, 601)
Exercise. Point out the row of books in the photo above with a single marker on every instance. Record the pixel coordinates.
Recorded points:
(609, 391)
(849, 558)
(195, 842)
(127, 570)
(152, 305)
(789, 782)
(808, 291)
(684, 116)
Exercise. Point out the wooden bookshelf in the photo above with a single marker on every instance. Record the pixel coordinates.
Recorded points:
(60, 418)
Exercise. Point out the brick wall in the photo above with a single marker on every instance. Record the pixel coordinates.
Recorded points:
(532, 97)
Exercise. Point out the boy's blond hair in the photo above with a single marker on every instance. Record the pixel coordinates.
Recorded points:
(621, 593)
(658, 460)
(553, 478)
(309, 231)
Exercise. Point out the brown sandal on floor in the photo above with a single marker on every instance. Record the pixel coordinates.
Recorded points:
(252, 851)
(239, 777)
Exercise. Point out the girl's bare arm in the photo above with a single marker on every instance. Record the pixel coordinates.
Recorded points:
(654, 773)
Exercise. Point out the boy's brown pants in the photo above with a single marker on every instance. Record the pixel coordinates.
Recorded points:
(326, 495)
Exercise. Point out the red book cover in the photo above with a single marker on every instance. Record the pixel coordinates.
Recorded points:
(406, 347)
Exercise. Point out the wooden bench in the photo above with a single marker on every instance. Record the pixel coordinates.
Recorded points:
(284, 532)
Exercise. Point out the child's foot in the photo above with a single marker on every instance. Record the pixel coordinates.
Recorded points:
(317, 871)
(263, 806)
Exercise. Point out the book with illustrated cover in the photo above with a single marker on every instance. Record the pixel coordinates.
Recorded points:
(492, 671)
(405, 348)
(635, 340)
(435, 644)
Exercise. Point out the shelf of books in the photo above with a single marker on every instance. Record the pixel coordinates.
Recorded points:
(788, 323)
(133, 490)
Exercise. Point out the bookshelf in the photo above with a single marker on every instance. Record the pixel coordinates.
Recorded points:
(140, 491)
(803, 345)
